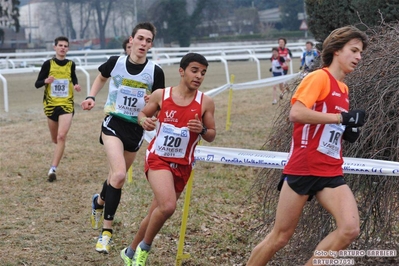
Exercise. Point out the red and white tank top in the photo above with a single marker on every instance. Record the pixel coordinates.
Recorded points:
(173, 141)
(284, 52)
(316, 149)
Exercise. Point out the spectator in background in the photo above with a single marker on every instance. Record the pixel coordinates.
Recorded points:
(58, 77)
(127, 46)
(286, 53)
(308, 56)
(277, 69)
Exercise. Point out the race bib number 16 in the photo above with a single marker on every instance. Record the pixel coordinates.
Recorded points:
(330, 141)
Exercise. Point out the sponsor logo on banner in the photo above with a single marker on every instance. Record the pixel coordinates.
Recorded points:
(208, 158)
(247, 161)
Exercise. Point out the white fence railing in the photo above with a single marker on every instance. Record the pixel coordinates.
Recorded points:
(16, 63)
(90, 57)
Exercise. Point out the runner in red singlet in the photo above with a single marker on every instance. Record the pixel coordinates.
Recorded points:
(184, 116)
(322, 118)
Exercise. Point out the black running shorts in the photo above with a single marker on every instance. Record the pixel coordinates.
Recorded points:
(53, 112)
(310, 185)
(131, 134)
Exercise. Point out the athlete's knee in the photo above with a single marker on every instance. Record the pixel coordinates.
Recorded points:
(61, 137)
(349, 232)
(282, 240)
(118, 178)
(167, 208)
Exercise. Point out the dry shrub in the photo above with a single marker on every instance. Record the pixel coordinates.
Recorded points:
(374, 88)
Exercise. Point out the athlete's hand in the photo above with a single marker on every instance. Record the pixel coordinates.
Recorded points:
(77, 87)
(146, 98)
(195, 125)
(353, 118)
(88, 104)
(148, 123)
(49, 80)
(351, 134)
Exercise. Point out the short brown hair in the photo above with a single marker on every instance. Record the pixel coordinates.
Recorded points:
(145, 26)
(284, 40)
(61, 38)
(193, 57)
(124, 44)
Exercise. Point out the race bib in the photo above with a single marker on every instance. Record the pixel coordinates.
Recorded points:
(129, 101)
(172, 141)
(60, 88)
(330, 141)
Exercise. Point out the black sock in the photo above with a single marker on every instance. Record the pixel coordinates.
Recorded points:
(104, 191)
(113, 199)
(106, 229)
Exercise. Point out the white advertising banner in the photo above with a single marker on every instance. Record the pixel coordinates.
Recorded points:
(272, 159)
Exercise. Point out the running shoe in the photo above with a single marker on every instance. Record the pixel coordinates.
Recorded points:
(140, 257)
(96, 214)
(104, 242)
(128, 261)
(51, 175)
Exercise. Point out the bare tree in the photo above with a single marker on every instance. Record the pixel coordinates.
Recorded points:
(85, 13)
(103, 9)
(66, 12)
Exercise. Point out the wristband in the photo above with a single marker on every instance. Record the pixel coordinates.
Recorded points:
(203, 131)
(91, 97)
(339, 119)
(142, 121)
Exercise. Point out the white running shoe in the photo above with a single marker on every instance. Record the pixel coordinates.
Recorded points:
(51, 175)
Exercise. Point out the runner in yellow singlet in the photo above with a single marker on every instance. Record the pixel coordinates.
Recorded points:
(58, 77)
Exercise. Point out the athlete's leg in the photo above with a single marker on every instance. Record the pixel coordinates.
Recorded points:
(165, 197)
(341, 203)
(139, 236)
(53, 127)
(59, 131)
(274, 93)
(281, 86)
(119, 161)
(288, 212)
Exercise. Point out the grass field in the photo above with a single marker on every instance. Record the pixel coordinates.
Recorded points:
(48, 223)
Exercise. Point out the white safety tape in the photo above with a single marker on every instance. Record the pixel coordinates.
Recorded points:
(277, 160)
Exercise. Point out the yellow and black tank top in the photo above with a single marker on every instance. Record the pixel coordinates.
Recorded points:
(60, 92)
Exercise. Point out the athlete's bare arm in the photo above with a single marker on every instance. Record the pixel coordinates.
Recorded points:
(98, 84)
(145, 117)
(208, 118)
